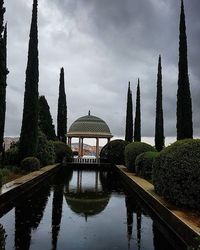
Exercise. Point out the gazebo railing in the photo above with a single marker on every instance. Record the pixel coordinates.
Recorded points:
(80, 160)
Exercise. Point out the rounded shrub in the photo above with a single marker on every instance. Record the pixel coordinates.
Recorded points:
(144, 164)
(30, 164)
(176, 173)
(62, 151)
(45, 150)
(134, 149)
(113, 152)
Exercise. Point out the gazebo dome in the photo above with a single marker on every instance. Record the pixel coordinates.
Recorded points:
(89, 126)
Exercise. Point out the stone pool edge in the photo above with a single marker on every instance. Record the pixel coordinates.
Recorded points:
(177, 220)
(12, 190)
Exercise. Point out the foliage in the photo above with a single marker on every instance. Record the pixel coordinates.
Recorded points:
(159, 127)
(129, 117)
(176, 173)
(30, 164)
(2, 238)
(143, 164)
(62, 110)
(45, 150)
(3, 72)
(134, 149)
(29, 129)
(1, 180)
(184, 102)
(137, 125)
(12, 156)
(113, 152)
(62, 151)
(45, 119)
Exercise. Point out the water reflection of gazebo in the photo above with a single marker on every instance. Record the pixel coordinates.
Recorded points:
(89, 126)
(87, 201)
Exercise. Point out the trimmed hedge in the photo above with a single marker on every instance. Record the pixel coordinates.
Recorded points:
(176, 173)
(144, 164)
(30, 164)
(62, 151)
(113, 152)
(134, 149)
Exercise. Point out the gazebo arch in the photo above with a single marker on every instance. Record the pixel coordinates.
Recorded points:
(89, 126)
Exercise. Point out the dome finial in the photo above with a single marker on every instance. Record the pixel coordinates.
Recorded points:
(89, 112)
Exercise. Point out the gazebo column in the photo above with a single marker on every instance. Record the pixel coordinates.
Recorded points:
(70, 141)
(81, 147)
(97, 148)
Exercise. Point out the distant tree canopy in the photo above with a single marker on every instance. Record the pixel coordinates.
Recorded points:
(129, 117)
(159, 127)
(45, 119)
(29, 129)
(3, 72)
(62, 110)
(137, 125)
(184, 103)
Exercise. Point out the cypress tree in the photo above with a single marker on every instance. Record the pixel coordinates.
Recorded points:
(137, 127)
(29, 129)
(45, 119)
(129, 117)
(62, 110)
(184, 103)
(159, 127)
(3, 72)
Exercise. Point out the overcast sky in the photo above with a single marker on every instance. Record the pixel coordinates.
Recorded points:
(103, 44)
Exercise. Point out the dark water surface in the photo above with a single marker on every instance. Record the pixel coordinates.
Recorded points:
(84, 210)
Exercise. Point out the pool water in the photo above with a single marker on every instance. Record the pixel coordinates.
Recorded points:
(83, 210)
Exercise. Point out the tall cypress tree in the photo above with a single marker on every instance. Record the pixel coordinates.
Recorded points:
(184, 103)
(62, 110)
(3, 72)
(159, 127)
(129, 117)
(29, 129)
(45, 119)
(137, 127)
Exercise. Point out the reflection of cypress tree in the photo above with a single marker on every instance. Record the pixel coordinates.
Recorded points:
(139, 222)
(56, 213)
(2, 238)
(28, 216)
(129, 211)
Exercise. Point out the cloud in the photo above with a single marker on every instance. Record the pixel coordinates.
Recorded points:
(103, 45)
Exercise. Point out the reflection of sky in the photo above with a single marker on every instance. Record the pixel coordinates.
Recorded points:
(106, 230)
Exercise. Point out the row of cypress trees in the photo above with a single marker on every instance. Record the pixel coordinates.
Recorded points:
(36, 112)
(184, 102)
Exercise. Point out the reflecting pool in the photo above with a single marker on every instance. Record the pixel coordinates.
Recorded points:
(83, 210)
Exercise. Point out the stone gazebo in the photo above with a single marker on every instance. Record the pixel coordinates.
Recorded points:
(89, 126)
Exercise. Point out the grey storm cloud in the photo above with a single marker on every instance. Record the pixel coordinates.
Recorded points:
(103, 45)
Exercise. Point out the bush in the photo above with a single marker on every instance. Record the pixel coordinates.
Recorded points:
(1, 179)
(134, 149)
(143, 164)
(62, 151)
(176, 173)
(45, 150)
(30, 164)
(113, 152)
(12, 156)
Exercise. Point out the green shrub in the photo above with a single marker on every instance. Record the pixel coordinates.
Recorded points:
(12, 156)
(144, 163)
(30, 164)
(113, 152)
(176, 173)
(134, 149)
(45, 150)
(62, 151)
